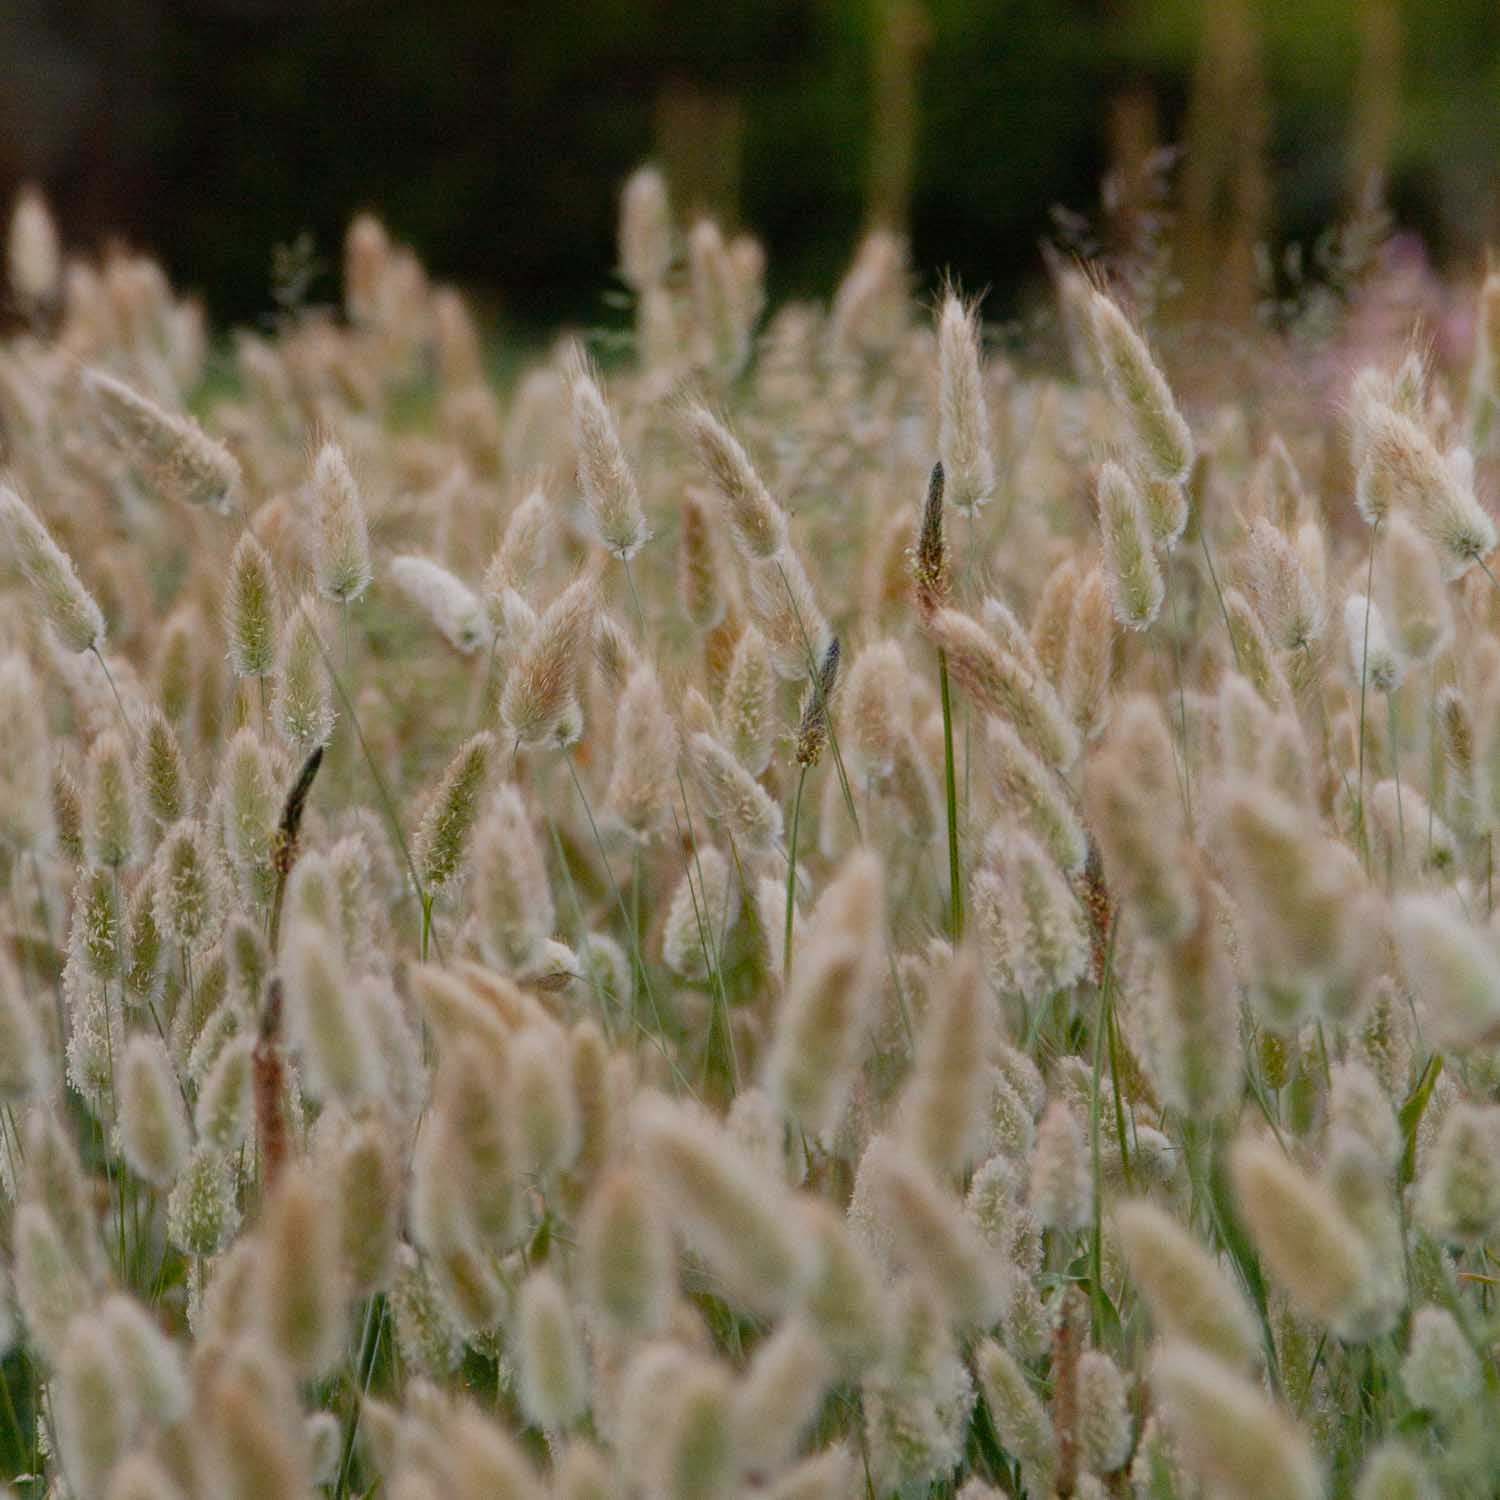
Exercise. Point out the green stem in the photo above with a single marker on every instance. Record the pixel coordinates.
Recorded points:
(950, 779)
(119, 704)
(1364, 677)
(1219, 594)
(369, 1348)
(1096, 1240)
(1393, 730)
(712, 943)
(791, 876)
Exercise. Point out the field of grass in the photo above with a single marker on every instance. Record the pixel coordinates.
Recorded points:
(829, 912)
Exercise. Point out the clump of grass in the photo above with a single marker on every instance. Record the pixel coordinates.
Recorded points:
(732, 975)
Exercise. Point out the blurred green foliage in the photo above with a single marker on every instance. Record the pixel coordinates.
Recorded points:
(493, 134)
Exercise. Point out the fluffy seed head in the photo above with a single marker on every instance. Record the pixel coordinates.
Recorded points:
(1458, 1194)
(342, 541)
(1280, 588)
(95, 1409)
(1441, 1371)
(1061, 1192)
(190, 887)
(786, 608)
(746, 713)
(757, 523)
(111, 827)
(812, 728)
(645, 229)
(942, 1104)
(824, 1021)
(1372, 657)
(367, 1202)
(1234, 1439)
(700, 585)
(1451, 966)
(704, 907)
(1130, 565)
(1191, 1299)
(1088, 657)
(1020, 1419)
(553, 1382)
(643, 777)
(163, 772)
(151, 1362)
(1400, 469)
(1140, 391)
(544, 1110)
(539, 705)
(874, 712)
(609, 490)
(222, 1113)
(735, 1214)
(447, 602)
(735, 799)
(65, 604)
(928, 1233)
(24, 1065)
(335, 1041)
(33, 251)
(1413, 597)
(1033, 791)
(1301, 1236)
(250, 613)
(302, 704)
(626, 1257)
(169, 451)
(300, 1294)
(28, 818)
(1001, 684)
(442, 842)
(779, 1396)
(1394, 1472)
(153, 1120)
(512, 894)
(963, 418)
(1031, 929)
(201, 1212)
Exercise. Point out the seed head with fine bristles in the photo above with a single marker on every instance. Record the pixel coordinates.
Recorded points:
(111, 826)
(757, 522)
(645, 229)
(343, 544)
(447, 601)
(153, 1121)
(1134, 575)
(1234, 1439)
(170, 452)
(539, 705)
(66, 605)
(609, 488)
(251, 609)
(643, 778)
(964, 422)
(825, 1016)
(302, 703)
(442, 840)
(1140, 391)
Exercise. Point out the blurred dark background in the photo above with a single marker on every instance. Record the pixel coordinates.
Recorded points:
(493, 134)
